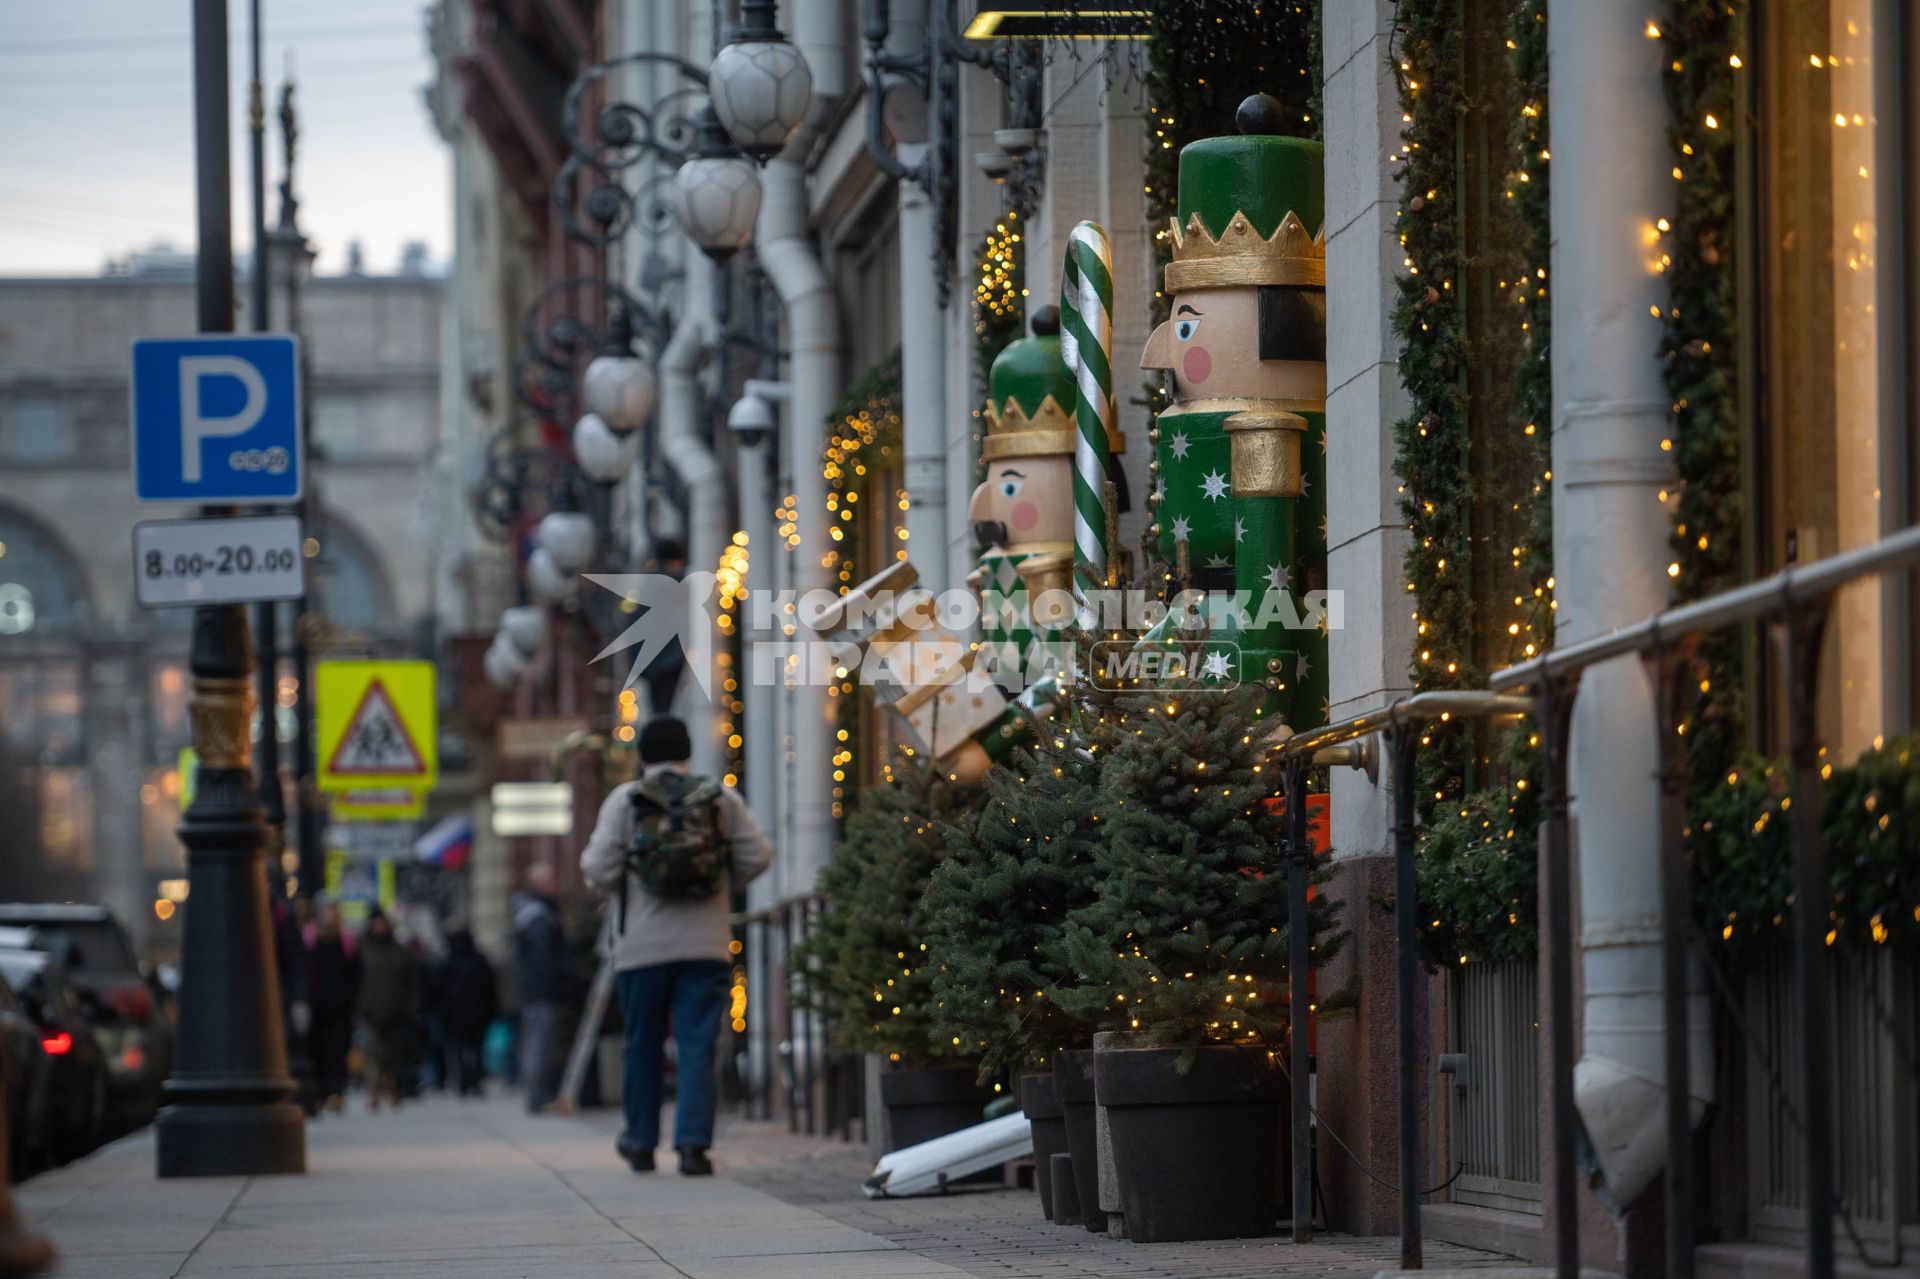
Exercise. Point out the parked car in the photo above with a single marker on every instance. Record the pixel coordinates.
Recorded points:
(26, 1072)
(129, 1010)
(77, 1104)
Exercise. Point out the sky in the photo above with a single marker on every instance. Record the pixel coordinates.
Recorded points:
(96, 130)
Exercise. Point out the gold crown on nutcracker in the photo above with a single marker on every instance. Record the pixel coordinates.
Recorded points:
(1241, 257)
(1013, 419)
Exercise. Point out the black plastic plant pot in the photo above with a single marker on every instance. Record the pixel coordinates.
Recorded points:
(930, 1102)
(1073, 1080)
(1195, 1152)
(1041, 1103)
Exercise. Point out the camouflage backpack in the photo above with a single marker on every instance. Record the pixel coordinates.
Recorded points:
(678, 851)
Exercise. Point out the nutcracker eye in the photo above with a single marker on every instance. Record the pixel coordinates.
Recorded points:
(1010, 481)
(1185, 329)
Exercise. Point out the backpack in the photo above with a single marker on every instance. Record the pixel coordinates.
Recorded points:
(677, 850)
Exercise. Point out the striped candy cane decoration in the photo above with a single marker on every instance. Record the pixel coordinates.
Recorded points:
(1086, 346)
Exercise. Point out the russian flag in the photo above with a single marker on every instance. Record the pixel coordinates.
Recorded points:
(448, 845)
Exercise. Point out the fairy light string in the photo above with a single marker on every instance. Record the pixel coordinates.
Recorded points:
(1473, 315)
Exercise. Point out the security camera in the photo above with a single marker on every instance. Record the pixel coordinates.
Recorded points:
(751, 420)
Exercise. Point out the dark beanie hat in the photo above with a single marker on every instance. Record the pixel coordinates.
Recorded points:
(664, 740)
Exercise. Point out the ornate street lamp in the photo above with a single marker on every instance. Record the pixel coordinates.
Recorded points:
(618, 385)
(757, 94)
(717, 192)
(760, 84)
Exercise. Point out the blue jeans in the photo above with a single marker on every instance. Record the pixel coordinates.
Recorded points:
(695, 991)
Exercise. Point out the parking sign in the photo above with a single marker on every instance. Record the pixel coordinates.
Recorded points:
(216, 418)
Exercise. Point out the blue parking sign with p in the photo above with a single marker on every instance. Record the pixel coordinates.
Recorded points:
(216, 418)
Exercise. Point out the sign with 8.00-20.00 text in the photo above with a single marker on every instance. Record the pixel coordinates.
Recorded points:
(218, 561)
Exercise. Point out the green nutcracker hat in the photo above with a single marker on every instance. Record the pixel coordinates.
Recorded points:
(1030, 396)
(1251, 209)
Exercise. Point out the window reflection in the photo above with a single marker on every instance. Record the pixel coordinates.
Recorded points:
(1825, 441)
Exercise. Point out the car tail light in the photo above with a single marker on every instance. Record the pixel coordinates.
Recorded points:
(131, 1002)
(57, 1044)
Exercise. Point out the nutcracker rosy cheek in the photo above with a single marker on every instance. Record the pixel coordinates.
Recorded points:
(1196, 365)
(1025, 516)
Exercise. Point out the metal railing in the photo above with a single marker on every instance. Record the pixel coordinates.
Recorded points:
(1793, 603)
(781, 1064)
(1401, 723)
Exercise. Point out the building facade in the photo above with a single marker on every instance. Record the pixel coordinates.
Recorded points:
(1708, 215)
(96, 686)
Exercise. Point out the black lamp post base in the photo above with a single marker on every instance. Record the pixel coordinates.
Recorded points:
(230, 1140)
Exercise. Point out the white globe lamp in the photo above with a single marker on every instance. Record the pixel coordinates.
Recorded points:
(569, 537)
(760, 84)
(604, 456)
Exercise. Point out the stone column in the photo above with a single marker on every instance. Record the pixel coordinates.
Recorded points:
(1370, 659)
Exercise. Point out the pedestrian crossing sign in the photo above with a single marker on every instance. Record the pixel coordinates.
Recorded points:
(376, 725)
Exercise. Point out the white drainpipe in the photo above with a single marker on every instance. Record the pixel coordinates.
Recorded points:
(685, 444)
(784, 241)
(762, 718)
(1610, 411)
(923, 386)
(923, 327)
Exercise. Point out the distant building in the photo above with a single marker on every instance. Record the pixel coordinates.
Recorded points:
(94, 688)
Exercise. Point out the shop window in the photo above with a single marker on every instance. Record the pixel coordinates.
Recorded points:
(40, 592)
(1832, 448)
(36, 431)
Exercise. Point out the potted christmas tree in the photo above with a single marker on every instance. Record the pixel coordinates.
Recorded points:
(1013, 874)
(868, 955)
(1185, 936)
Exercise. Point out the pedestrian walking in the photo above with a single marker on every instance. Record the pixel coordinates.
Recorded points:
(672, 846)
(389, 1005)
(540, 972)
(333, 989)
(468, 1000)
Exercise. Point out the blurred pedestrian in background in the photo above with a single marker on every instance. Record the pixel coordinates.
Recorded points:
(540, 973)
(389, 1005)
(468, 998)
(333, 987)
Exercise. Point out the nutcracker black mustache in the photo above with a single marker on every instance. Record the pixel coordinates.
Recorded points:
(990, 532)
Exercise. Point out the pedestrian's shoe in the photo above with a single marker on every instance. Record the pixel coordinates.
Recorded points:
(694, 1162)
(637, 1159)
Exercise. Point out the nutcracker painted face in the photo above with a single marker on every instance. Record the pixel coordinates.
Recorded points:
(1024, 501)
(1266, 342)
(1248, 279)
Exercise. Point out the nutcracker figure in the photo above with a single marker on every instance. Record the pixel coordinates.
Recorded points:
(1239, 501)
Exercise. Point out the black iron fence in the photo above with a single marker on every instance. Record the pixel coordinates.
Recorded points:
(781, 1065)
(1793, 606)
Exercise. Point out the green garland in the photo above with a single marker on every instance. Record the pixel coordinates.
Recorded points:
(999, 301)
(1742, 856)
(1702, 373)
(1477, 863)
(865, 427)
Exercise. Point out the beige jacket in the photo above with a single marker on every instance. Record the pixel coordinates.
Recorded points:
(659, 931)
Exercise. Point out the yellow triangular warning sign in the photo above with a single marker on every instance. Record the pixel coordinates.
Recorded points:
(376, 743)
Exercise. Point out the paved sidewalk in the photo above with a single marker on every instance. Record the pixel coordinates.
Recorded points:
(480, 1190)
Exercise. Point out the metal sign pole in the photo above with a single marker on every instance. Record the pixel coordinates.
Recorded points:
(229, 1110)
